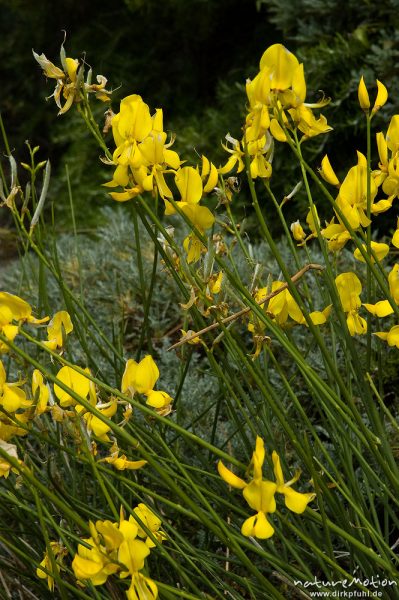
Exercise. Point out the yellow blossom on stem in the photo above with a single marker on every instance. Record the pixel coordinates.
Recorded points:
(236, 158)
(336, 234)
(380, 250)
(13, 308)
(142, 588)
(382, 308)
(139, 377)
(120, 462)
(92, 563)
(297, 231)
(352, 197)
(283, 305)
(12, 397)
(391, 336)
(328, 173)
(349, 290)
(151, 522)
(40, 392)
(95, 425)
(57, 330)
(259, 493)
(47, 571)
(295, 501)
(364, 99)
(74, 380)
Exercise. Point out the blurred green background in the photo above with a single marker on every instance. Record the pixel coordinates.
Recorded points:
(192, 59)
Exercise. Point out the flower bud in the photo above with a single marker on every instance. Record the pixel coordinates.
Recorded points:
(363, 95)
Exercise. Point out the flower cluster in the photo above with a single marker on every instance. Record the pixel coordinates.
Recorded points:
(22, 402)
(276, 100)
(260, 493)
(282, 306)
(143, 157)
(121, 548)
(70, 81)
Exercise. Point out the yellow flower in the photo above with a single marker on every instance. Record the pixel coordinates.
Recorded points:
(151, 522)
(258, 493)
(307, 123)
(328, 173)
(120, 462)
(47, 571)
(139, 377)
(294, 501)
(95, 425)
(283, 305)
(91, 562)
(189, 184)
(57, 330)
(381, 309)
(391, 336)
(259, 152)
(12, 397)
(380, 250)
(336, 234)
(349, 290)
(142, 588)
(209, 175)
(161, 401)
(132, 552)
(40, 392)
(75, 381)
(297, 231)
(236, 158)
(193, 247)
(364, 100)
(352, 197)
(282, 65)
(13, 308)
(363, 95)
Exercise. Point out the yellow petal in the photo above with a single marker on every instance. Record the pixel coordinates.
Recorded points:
(200, 216)
(189, 184)
(349, 290)
(282, 65)
(277, 131)
(380, 309)
(327, 172)
(295, 501)
(382, 96)
(257, 526)
(356, 324)
(146, 375)
(229, 477)
(297, 231)
(363, 95)
(380, 250)
(74, 380)
(299, 85)
(260, 495)
(158, 399)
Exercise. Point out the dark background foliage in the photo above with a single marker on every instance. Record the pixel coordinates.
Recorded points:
(191, 58)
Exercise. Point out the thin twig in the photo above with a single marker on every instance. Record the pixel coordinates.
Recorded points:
(246, 310)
